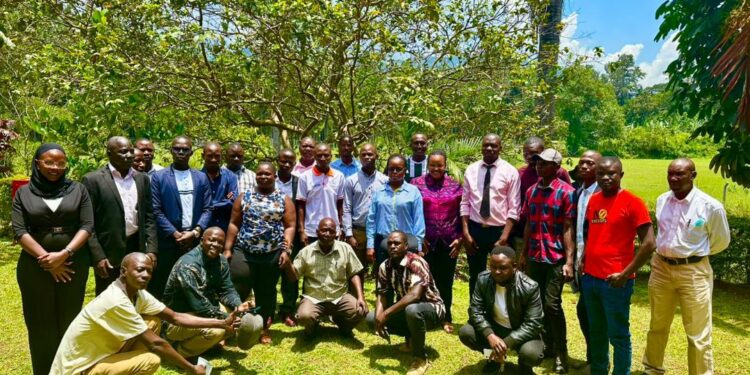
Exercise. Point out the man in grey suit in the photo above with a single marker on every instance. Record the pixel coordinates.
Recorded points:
(123, 215)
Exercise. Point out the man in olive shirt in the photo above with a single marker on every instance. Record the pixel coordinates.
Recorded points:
(325, 288)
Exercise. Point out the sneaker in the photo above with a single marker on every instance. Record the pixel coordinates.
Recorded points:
(491, 367)
(418, 366)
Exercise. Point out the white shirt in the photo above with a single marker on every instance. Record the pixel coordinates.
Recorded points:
(500, 309)
(284, 187)
(694, 226)
(184, 182)
(583, 203)
(320, 192)
(129, 197)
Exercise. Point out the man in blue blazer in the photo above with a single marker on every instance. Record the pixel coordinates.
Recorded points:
(182, 207)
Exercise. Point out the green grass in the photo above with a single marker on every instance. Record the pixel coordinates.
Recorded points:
(369, 354)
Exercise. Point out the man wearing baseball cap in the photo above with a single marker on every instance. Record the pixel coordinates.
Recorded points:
(547, 256)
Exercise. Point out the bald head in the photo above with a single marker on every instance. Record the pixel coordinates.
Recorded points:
(114, 143)
(120, 154)
(612, 161)
(680, 176)
(133, 258)
(212, 156)
(683, 163)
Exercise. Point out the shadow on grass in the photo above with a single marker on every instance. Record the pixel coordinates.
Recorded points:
(385, 352)
(324, 333)
(232, 355)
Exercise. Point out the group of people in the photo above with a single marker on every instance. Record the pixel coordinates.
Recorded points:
(188, 260)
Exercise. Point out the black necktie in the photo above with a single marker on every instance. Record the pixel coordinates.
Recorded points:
(484, 209)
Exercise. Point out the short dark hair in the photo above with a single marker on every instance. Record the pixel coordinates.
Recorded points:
(266, 163)
(395, 156)
(438, 153)
(504, 250)
(403, 235)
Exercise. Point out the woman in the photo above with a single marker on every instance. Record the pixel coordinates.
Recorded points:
(442, 199)
(52, 220)
(396, 206)
(261, 231)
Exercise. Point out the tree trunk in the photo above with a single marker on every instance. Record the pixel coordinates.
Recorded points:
(549, 48)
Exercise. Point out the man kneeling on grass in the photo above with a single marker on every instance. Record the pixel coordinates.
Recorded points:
(418, 306)
(505, 313)
(118, 332)
(198, 283)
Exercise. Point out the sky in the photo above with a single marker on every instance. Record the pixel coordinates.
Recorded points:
(618, 26)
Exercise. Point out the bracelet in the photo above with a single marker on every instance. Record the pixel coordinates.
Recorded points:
(70, 252)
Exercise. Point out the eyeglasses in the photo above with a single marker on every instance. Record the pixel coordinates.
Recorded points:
(181, 150)
(52, 164)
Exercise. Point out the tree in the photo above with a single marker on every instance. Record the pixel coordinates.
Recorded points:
(549, 51)
(624, 75)
(710, 77)
(589, 105)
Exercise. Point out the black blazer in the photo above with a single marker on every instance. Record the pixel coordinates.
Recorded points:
(108, 240)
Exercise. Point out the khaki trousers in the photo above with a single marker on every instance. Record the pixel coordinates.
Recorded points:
(191, 342)
(690, 286)
(133, 358)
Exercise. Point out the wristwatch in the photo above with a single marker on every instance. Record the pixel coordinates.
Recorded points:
(197, 231)
(70, 252)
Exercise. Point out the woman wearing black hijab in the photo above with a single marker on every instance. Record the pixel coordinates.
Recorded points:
(52, 220)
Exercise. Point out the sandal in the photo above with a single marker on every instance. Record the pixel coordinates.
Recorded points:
(265, 337)
(448, 327)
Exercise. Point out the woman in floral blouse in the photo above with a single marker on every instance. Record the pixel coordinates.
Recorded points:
(258, 245)
(442, 197)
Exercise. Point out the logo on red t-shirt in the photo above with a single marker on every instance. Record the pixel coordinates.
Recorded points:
(601, 217)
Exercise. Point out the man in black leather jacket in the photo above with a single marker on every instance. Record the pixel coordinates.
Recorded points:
(505, 314)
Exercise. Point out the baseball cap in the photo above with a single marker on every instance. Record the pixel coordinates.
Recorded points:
(550, 154)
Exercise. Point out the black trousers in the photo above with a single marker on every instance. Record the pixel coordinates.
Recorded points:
(485, 238)
(49, 307)
(169, 253)
(530, 353)
(289, 288)
(443, 269)
(550, 280)
(413, 322)
(260, 277)
(132, 244)
(583, 321)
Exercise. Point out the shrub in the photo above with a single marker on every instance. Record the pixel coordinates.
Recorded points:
(657, 140)
(733, 264)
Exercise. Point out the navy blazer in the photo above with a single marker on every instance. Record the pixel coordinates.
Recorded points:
(167, 206)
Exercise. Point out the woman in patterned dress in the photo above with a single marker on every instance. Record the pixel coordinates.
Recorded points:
(258, 245)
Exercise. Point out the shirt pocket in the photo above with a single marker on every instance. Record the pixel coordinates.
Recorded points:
(696, 230)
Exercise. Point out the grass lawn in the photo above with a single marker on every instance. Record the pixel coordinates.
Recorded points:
(367, 353)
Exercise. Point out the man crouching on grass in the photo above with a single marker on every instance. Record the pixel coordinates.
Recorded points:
(118, 332)
(505, 313)
(418, 306)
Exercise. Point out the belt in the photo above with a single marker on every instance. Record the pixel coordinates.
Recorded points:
(54, 230)
(484, 225)
(679, 261)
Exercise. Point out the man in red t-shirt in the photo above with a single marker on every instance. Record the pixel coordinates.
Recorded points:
(613, 218)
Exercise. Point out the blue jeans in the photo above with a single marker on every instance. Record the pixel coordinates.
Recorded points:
(608, 310)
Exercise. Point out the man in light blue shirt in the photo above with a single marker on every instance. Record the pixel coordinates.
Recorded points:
(346, 163)
(587, 176)
(396, 206)
(358, 191)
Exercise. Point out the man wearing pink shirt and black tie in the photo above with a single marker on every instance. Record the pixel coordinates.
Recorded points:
(489, 206)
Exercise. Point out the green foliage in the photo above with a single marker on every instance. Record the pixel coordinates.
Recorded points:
(651, 103)
(624, 75)
(589, 105)
(733, 264)
(698, 26)
(657, 140)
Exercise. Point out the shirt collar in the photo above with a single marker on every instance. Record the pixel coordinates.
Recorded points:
(591, 189)
(496, 163)
(116, 173)
(334, 248)
(687, 200)
(319, 173)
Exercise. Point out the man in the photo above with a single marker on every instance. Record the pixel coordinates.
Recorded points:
(118, 332)
(139, 164)
(182, 207)
(614, 216)
(306, 156)
(489, 207)
(587, 175)
(505, 313)
(223, 186)
(287, 184)
(418, 307)
(147, 147)
(123, 214)
(327, 266)
(548, 248)
(320, 194)
(346, 163)
(358, 191)
(235, 160)
(416, 164)
(528, 176)
(198, 283)
(692, 226)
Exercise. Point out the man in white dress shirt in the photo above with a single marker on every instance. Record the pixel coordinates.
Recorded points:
(692, 226)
